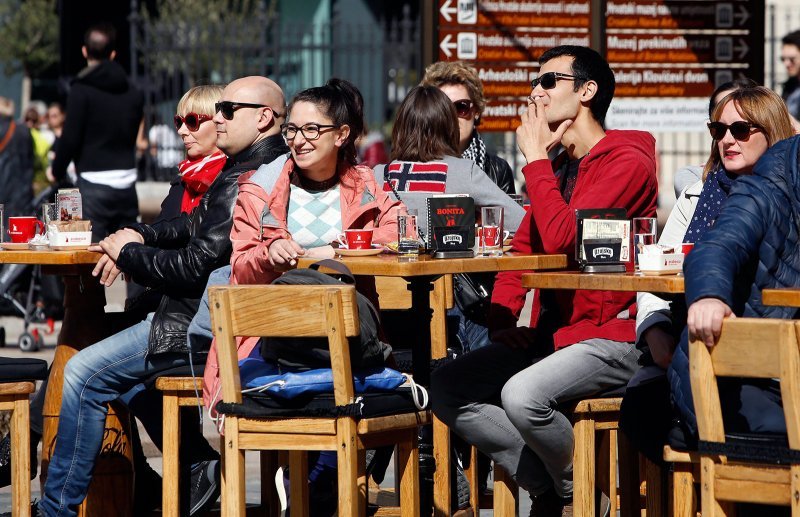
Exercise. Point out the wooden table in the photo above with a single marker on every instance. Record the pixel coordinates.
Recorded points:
(670, 284)
(421, 274)
(85, 323)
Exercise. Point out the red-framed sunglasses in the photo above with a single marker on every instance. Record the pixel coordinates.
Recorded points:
(192, 121)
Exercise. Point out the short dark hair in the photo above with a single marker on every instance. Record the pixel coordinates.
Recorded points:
(426, 127)
(588, 65)
(100, 41)
(793, 38)
(342, 102)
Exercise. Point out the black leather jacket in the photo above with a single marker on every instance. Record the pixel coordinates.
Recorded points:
(179, 254)
(500, 172)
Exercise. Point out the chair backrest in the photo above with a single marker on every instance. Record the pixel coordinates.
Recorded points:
(747, 348)
(284, 311)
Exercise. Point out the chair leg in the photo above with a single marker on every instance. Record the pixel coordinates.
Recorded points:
(583, 473)
(628, 478)
(795, 504)
(170, 499)
(408, 464)
(20, 458)
(270, 502)
(233, 495)
(347, 461)
(441, 477)
(473, 478)
(505, 493)
(684, 501)
(612, 469)
(298, 483)
(710, 505)
(655, 489)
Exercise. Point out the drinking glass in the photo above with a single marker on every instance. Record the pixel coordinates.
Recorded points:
(407, 235)
(644, 233)
(517, 199)
(492, 230)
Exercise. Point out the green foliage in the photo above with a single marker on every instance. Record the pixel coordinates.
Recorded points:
(28, 35)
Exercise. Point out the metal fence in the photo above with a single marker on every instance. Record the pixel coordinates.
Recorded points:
(382, 59)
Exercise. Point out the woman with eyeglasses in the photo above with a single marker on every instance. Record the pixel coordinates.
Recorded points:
(744, 124)
(298, 205)
(461, 84)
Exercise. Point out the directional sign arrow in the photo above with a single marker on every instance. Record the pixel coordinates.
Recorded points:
(446, 45)
(446, 11)
(742, 16)
(742, 49)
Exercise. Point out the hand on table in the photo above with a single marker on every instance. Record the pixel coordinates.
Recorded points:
(516, 337)
(321, 252)
(113, 244)
(705, 319)
(661, 344)
(284, 251)
(534, 136)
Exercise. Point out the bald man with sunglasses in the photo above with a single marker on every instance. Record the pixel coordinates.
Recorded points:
(176, 257)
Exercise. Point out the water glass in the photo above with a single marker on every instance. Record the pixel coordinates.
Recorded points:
(644, 234)
(407, 235)
(492, 230)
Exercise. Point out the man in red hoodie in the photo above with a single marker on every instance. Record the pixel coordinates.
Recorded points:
(504, 398)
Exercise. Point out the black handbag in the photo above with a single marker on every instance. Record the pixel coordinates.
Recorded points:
(473, 295)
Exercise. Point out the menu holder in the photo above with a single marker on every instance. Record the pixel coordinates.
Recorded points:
(602, 240)
(451, 226)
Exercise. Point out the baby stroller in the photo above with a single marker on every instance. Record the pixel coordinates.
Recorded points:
(21, 286)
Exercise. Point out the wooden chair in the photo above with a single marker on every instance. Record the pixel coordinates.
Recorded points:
(590, 416)
(685, 474)
(751, 348)
(305, 311)
(16, 385)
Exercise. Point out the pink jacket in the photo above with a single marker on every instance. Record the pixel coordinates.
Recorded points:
(364, 205)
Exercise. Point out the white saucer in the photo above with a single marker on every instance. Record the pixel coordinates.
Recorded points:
(376, 249)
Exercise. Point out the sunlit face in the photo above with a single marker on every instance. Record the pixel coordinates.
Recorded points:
(739, 156)
(458, 92)
(318, 157)
(790, 57)
(239, 133)
(561, 102)
(200, 143)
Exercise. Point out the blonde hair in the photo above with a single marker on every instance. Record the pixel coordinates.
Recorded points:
(200, 100)
(761, 107)
(457, 72)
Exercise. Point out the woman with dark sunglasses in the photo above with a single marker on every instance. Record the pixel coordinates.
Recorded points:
(744, 124)
(460, 82)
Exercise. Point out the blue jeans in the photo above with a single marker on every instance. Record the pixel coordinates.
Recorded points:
(505, 401)
(94, 377)
(199, 334)
(471, 335)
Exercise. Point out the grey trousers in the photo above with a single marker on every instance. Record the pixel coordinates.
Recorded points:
(505, 402)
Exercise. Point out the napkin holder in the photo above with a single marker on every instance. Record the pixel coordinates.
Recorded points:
(451, 226)
(602, 243)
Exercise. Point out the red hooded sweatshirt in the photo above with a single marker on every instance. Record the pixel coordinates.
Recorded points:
(618, 172)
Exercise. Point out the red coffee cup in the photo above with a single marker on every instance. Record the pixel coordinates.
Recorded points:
(686, 247)
(22, 229)
(356, 239)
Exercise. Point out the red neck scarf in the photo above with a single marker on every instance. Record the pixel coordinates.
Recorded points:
(197, 176)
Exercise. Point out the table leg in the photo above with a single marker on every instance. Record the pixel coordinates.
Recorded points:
(85, 323)
(421, 288)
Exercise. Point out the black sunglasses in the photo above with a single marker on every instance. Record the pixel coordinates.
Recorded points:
(739, 130)
(550, 79)
(463, 108)
(192, 121)
(229, 107)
